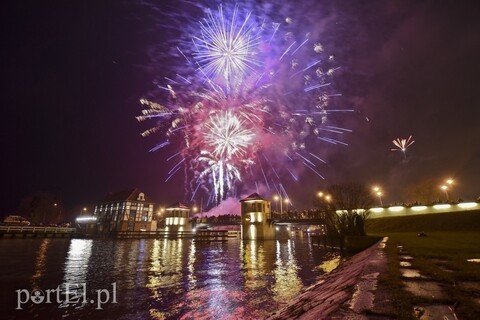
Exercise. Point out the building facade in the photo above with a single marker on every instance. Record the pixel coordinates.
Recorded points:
(256, 216)
(177, 219)
(129, 210)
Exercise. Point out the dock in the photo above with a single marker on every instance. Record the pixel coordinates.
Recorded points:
(36, 232)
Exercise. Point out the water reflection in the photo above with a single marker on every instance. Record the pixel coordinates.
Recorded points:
(254, 264)
(76, 272)
(287, 283)
(165, 276)
(192, 279)
(40, 263)
(173, 279)
(76, 266)
(331, 262)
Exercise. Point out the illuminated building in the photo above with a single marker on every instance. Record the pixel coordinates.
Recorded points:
(177, 218)
(129, 210)
(256, 215)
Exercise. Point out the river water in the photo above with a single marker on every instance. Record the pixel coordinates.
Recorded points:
(154, 278)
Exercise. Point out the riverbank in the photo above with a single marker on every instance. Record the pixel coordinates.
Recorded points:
(346, 292)
(433, 264)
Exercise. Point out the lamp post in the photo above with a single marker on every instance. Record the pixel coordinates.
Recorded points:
(276, 198)
(287, 201)
(445, 188)
(379, 194)
(449, 183)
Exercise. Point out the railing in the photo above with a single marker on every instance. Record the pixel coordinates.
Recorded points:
(199, 235)
(153, 234)
(307, 221)
(22, 229)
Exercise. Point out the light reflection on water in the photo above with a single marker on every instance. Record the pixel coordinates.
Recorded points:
(40, 263)
(169, 279)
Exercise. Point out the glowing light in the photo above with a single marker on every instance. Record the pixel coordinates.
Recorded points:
(86, 219)
(419, 208)
(396, 208)
(376, 210)
(441, 206)
(402, 145)
(253, 231)
(467, 205)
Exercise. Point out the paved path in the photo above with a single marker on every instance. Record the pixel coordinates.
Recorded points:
(345, 293)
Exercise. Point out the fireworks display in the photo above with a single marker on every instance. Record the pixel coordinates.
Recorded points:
(225, 49)
(251, 105)
(402, 145)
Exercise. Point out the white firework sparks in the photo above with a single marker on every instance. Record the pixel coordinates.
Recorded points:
(226, 48)
(402, 145)
(227, 135)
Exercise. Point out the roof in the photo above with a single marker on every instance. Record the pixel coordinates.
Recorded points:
(178, 205)
(253, 196)
(126, 195)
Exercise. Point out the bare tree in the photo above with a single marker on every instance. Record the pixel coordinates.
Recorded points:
(42, 208)
(424, 191)
(345, 208)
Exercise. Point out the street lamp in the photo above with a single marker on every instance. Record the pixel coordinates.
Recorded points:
(287, 201)
(379, 194)
(322, 195)
(276, 198)
(445, 188)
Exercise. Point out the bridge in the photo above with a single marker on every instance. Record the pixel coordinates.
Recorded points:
(34, 232)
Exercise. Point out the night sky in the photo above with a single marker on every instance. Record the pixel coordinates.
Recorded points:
(73, 74)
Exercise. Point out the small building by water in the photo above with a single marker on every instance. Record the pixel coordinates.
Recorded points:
(256, 218)
(177, 219)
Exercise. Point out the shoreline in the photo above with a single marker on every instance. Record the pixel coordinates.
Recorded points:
(346, 291)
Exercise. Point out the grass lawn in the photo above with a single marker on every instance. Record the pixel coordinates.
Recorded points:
(441, 256)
